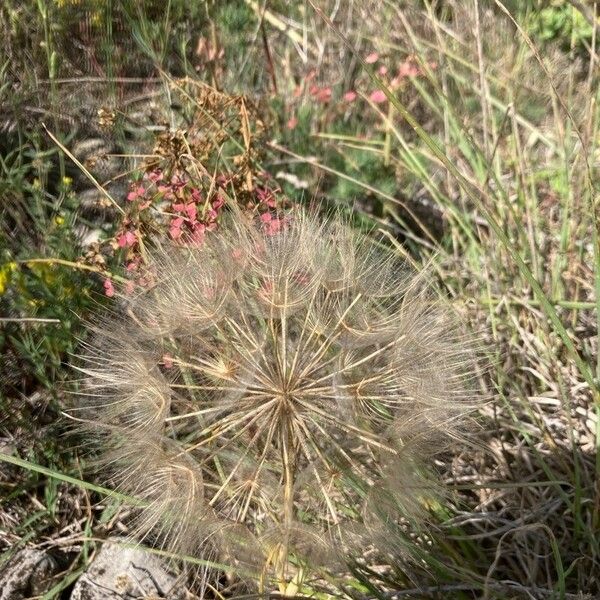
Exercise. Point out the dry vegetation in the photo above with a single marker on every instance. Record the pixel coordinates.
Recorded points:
(467, 132)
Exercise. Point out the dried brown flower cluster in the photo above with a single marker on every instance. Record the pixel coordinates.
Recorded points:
(273, 387)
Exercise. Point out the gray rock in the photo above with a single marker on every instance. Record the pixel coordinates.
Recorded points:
(96, 156)
(27, 574)
(118, 571)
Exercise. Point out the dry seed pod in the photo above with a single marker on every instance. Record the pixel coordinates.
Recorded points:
(274, 380)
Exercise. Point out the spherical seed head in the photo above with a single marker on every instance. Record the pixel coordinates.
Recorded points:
(275, 380)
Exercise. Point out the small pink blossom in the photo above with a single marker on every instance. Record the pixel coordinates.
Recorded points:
(155, 176)
(408, 69)
(372, 58)
(321, 94)
(382, 70)
(133, 265)
(378, 96)
(127, 239)
(350, 96)
(273, 226)
(178, 182)
(197, 236)
(191, 211)
(265, 196)
(292, 122)
(129, 287)
(109, 288)
(167, 361)
(175, 227)
(136, 193)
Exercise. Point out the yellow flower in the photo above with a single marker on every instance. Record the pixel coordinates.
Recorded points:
(96, 18)
(67, 181)
(6, 275)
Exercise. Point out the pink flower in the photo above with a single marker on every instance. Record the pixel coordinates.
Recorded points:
(135, 193)
(408, 69)
(167, 361)
(133, 265)
(175, 232)
(292, 122)
(197, 236)
(218, 202)
(109, 288)
(127, 239)
(271, 226)
(155, 176)
(321, 94)
(191, 211)
(178, 182)
(378, 96)
(382, 70)
(350, 96)
(265, 196)
(129, 287)
(266, 217)
(372, 58)
(175, 227)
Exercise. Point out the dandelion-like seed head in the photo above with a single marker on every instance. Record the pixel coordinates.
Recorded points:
(274, 381)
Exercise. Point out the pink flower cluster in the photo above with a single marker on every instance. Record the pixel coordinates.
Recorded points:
(267, 202)
(187, 213)
(271, 224)
(187, 221)
(323, 94)
(406, 69)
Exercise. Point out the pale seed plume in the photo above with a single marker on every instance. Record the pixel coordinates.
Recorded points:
(273, 387)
